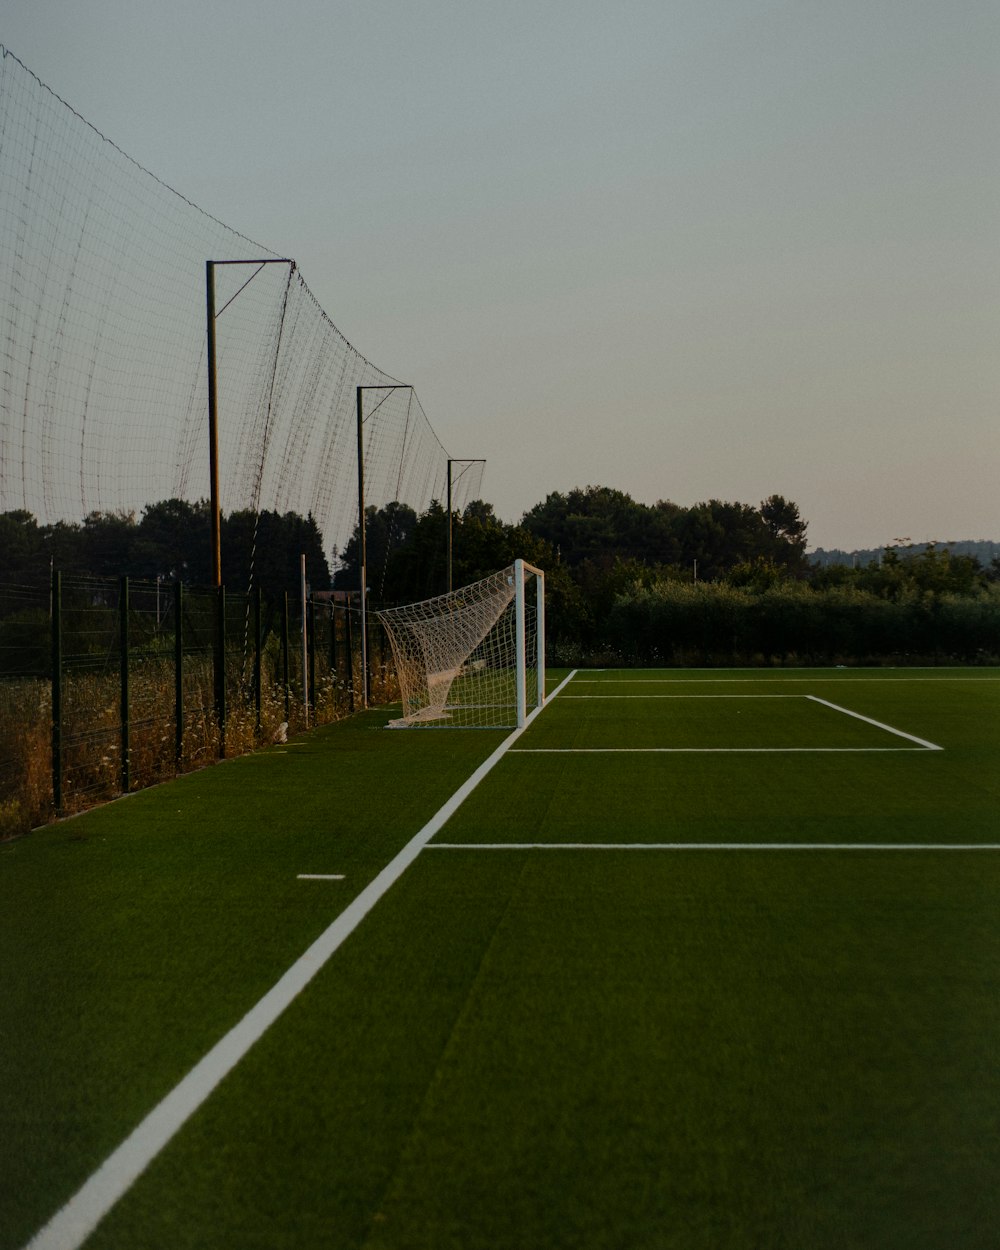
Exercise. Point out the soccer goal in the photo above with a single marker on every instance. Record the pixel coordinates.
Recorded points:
(474, 658)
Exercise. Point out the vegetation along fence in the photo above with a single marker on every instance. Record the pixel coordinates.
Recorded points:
(110, 685)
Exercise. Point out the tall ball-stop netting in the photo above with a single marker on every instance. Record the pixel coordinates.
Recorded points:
(103, 366)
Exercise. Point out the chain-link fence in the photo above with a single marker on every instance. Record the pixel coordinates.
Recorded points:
(110, 685)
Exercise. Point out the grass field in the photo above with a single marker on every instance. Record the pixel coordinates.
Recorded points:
(706, 959)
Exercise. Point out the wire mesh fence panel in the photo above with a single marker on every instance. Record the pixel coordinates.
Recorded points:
(91, 757)
(108, 685)
(25, 707)
(151, 685)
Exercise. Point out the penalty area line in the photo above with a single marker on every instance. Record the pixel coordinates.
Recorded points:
(928, 746)
(73, 1223)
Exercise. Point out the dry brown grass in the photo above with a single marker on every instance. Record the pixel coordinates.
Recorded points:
(91, 736)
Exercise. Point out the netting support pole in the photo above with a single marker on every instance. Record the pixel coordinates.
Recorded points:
(213, 410)
(213, 426)
(362, 546)
(520, 666)
(468, 464)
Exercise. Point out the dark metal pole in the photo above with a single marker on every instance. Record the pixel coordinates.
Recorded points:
(449, 527)
(213, 426)
(256, 654)
(57, 724)
(213, 415)
(362, 544)
(362, 550)
(311, 652)
(178, 675)
(284, 657)
(468, 464)
(350, 657)
(333, 643)
(123, 669)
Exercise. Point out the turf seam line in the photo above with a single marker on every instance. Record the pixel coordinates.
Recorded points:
(73, 1223)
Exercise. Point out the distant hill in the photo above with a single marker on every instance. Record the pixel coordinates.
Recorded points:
(983, 551)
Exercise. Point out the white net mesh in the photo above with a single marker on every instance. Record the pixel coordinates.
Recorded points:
(103, 366)
(459, 656)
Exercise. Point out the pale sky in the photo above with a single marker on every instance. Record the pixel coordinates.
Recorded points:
(712, 249)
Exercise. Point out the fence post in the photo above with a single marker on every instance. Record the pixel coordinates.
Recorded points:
(284, 658)
(123, 671)
(220, 666)
(256, 654)
(178, 675)
(350, 657)
(57, 759)
(311, 640)
(333, 645)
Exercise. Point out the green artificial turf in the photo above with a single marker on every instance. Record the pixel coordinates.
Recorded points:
(703, 1051)
(555, 1048)
(136, 935)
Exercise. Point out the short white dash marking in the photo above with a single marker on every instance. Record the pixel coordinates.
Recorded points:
(320, 876)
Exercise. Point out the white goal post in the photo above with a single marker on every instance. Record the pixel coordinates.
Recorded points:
(474, 658)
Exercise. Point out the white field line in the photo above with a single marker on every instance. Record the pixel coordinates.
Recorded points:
(714, 846)
(684, 696)
(724, 750)
(748, 681)
(73, 1223)
(929, 746)
(320, 876)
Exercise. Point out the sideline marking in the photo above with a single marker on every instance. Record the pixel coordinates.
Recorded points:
(928, 746)
(73, 1223)
(714, 846)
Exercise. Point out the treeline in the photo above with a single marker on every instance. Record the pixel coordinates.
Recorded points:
(718, 583)
(170, 540)
(715, 583)
(985, 552)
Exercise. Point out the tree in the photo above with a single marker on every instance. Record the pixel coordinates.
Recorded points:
(107, 541)
(173, 541)
(265, 550)
(788, 530)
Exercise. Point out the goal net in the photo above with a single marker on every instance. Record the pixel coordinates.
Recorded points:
(474, 658)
